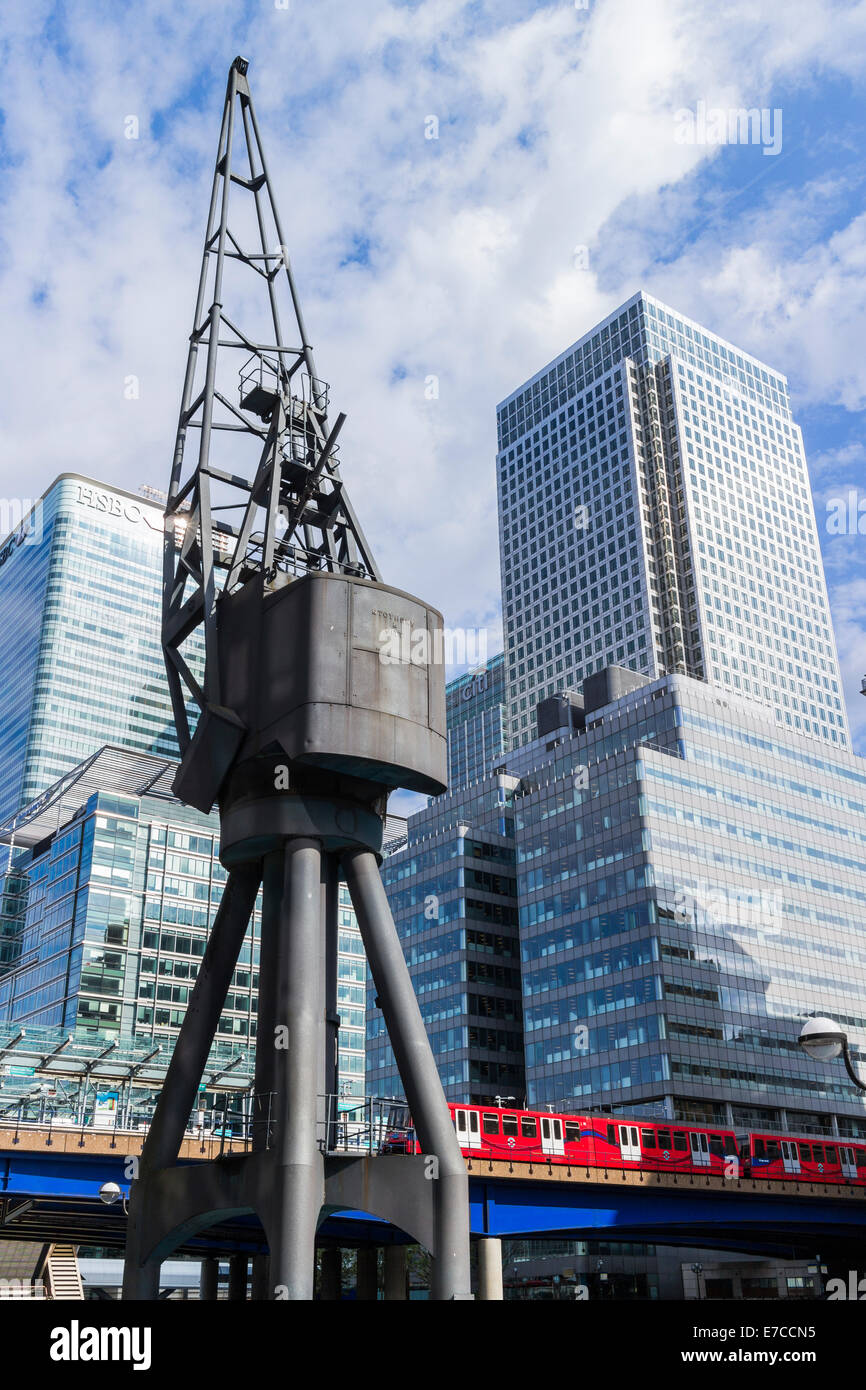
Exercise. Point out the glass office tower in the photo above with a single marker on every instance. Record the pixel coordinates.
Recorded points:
(81, 659)
(112, 922)
(476, 722)
(452, 890)
(691, 881)
(655, 513)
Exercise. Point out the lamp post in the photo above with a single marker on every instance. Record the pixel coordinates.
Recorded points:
(824, 1040)
(697, 1270)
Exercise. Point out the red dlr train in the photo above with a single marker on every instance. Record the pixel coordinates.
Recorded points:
(600, 1141)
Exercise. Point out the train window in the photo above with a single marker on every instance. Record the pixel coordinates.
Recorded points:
(664, 1138)
(773, 1150)
(731, 1145)
(572, 1132)
(611, 1134)
(831, 1154)
(760, 1149)
(861, 1158)
(528, 1127)
(805, 1152)
(509, 1124)
(490, 1124)
(716, 1145)
(681, 1143)
(819, 1152)
(648, 1138)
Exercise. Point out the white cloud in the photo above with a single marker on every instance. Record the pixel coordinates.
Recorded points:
(555, 127)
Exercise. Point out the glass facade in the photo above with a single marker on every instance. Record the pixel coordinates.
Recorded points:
(685, 880)
(452, 890)
(476, 722)
(689, 882)
(655, 513)
(110, 923)
(80, 622)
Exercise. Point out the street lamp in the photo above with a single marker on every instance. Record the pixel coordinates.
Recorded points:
(697, 1271)
(824, 1040)
(111, 1192)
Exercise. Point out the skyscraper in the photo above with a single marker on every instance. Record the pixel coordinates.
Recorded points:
(476, 721)
(80, 593)
(655, 513)
(452, 890)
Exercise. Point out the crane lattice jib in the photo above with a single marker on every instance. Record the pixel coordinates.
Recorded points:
(262, 493)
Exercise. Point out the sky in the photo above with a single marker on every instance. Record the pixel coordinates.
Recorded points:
(466, 188)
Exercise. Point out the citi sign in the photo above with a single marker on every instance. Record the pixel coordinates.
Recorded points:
(478, 684)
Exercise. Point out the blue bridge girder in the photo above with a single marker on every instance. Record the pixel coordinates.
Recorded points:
(46, 1195)
(685, 1215)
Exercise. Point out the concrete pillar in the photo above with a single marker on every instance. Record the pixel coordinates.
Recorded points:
(490, 1269)
(208, 1289)
(238, 1278)
(330, 1283)
(834, 1127)
(395, 1273)
(367, 1280)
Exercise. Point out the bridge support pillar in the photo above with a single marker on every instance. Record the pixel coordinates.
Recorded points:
(209, 1279)
(331, 1278)
(367, 1278)
(395, 1273)
(259, 1279)
(490, 1269)
(238, 1278)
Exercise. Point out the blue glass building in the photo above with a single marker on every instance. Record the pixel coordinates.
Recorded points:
(476, 722)
(80, 596)
(689, 882)
(690, 879)
(118, 883)
(453, 892)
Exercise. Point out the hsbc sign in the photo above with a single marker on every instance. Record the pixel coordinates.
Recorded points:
(111, 505)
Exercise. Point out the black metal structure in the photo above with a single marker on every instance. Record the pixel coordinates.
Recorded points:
(303, 726)
(296, 514)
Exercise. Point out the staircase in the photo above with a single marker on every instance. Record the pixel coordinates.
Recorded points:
(62, 1275)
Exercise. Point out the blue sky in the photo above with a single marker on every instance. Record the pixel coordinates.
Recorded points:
(451, 257)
